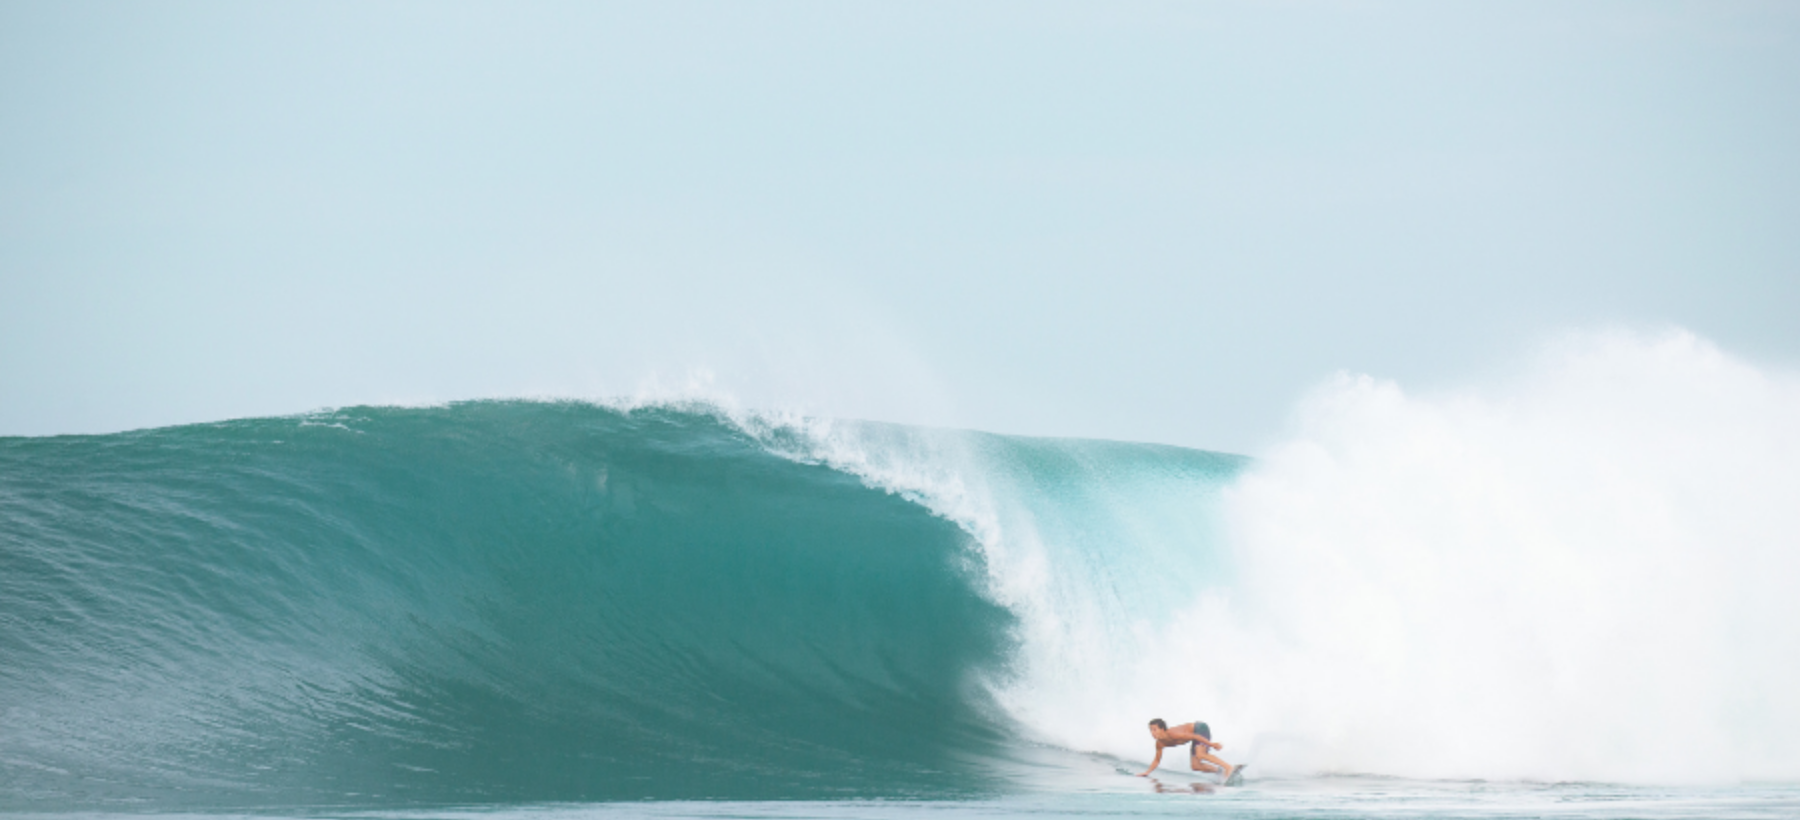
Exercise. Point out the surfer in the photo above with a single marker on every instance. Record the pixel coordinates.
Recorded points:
(1199, 739)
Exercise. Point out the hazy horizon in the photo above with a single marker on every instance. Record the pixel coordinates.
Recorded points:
(1140, 221)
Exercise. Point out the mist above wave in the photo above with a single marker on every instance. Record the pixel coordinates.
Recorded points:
(1581, 571)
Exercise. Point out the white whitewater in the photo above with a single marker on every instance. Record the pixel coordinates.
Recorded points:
(1587, 570)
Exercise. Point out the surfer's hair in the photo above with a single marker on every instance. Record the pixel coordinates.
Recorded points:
(1158, 723)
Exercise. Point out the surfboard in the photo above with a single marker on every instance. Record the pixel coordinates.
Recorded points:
(1237, 775)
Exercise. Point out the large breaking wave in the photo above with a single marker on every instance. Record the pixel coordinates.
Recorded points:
(488, 602)
(1582, 572)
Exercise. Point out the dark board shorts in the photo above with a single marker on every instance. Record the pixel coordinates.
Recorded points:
(1201, 729)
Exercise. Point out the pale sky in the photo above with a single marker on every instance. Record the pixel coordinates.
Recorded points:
(1147, 221)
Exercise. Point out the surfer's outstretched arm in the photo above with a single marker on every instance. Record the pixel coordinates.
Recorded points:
(1153, 763)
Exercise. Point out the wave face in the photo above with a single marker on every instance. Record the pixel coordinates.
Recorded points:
(495, 601)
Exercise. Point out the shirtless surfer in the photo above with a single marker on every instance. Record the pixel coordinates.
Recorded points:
(1199, 739)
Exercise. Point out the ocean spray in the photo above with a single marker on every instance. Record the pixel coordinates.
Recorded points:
(1581, 571)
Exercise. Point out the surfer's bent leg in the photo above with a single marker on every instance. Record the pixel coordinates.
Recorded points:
(1197, 754)
(1194, 759)
(1218, 765)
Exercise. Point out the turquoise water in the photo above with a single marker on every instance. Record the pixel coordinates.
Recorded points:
(496, 602)
(562, 609)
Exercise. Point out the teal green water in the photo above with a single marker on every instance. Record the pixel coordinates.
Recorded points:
(494, 602)
(548, 610)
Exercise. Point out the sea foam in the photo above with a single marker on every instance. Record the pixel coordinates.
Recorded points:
(1582, 570)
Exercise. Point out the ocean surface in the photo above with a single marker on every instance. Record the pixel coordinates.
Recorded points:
(548, 609)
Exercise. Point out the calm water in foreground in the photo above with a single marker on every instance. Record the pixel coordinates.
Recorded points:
(1177, 796)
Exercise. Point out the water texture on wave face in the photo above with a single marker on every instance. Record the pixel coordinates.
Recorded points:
(1583, 573)
(490, 602)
